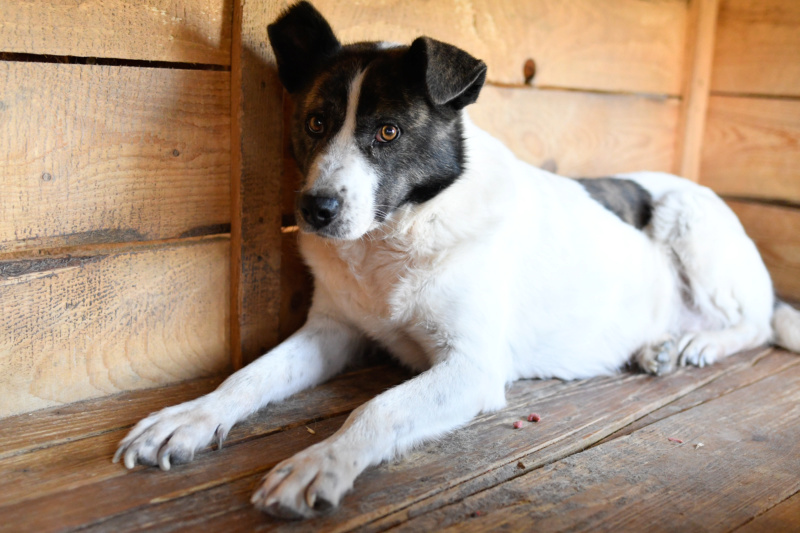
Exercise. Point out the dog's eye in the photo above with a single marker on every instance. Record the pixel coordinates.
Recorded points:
(387, 133)
(315, 125)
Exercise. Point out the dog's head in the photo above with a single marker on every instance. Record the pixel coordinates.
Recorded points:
(375, 126)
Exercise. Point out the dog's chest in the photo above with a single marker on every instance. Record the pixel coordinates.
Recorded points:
(381, 290)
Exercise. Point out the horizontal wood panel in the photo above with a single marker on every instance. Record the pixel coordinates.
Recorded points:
(616, 45)
(776, 232)
(82, 327)
(105, 154)
(758, 47)
(752, 148)
(582, 134)
(190, 31)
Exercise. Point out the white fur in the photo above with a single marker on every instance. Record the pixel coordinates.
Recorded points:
(511, 272)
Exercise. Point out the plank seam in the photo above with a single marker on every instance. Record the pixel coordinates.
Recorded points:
(603, 92)
(773, 202)
(21, 57)
(765, 511)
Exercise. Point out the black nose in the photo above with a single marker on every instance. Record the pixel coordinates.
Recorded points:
(319, 211)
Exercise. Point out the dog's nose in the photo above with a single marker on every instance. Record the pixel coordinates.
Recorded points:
(319, 211)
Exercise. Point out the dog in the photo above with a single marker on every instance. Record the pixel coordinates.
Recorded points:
(427, 236)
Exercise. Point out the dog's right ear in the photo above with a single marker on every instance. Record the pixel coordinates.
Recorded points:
(301, 39)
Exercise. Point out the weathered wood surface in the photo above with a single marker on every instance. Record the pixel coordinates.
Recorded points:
(617, 45)
(55, 475)
(775, 231)
(780, 519)
(747, 464)
(98, 154)
(747, 395)
(185, 31)
(83, 326)
(751, 148)
(758, 47)
(256, 174)
(581, 134)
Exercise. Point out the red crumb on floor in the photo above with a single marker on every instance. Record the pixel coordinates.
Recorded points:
(518, 424)
(673, 439)
(533, 417)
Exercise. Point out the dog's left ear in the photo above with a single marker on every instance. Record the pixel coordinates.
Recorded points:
(301, 39)
(451, 76)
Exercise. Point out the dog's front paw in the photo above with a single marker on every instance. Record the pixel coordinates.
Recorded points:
(172, 435)
(308, 484)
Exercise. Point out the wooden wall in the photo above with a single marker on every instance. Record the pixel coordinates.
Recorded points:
(146, 230)
(115, 212)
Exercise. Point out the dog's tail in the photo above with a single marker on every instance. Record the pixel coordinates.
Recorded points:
(786, 326)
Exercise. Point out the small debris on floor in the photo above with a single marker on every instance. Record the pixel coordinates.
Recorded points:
(673, 439)
(311, 430)
(698, 445)
(520, 465)
(534, 417)
(476, 514)
(518, 424)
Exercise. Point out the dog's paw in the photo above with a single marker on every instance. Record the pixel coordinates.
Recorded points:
(658, 359)
(308, 484)
(699, 349)
(172, 435)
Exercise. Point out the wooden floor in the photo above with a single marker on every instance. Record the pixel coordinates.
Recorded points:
(603, 457)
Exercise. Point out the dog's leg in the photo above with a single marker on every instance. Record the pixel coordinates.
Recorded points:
(316, 352)
(438, 400)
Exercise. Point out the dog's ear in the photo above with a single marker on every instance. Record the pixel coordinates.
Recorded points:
(451, 76)
(301, 39)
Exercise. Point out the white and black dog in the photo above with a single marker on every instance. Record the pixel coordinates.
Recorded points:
(428, 236)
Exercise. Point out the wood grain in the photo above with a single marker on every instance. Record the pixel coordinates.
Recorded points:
(696, 85)
(616, 45)
(775, 231)
(97, 154)
(780, 519)
(187, 31)
(80, 420)
(581, 134)
(485, 453)
(256, 181)
(113, 322)
(645, 482)
(758, 47)
(54, 476)
(752, 148)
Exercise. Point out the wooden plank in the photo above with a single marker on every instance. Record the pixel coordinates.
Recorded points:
(751, 148)
(98, 154)
(751, 442)
(775, 231)
(256, 150)
(79, 420)
(581, 134)
(55, 478)
(86, 326)
(758, 47)
(297, 286)
(750, 370)
(484, 454)
(696, 85)
(783, 518)
(187, 31)
(617, 45)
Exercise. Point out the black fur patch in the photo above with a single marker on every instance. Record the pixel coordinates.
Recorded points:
(631, 202)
